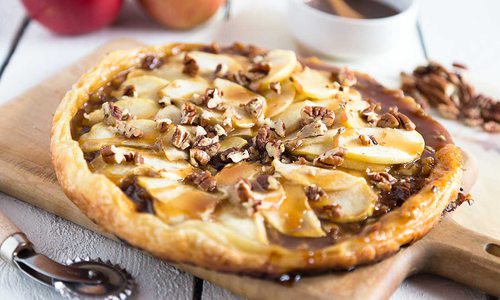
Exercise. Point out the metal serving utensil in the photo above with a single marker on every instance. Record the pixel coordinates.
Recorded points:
(78, 279)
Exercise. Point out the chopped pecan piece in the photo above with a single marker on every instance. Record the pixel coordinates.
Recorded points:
(151, 62)
(279, 128)
(191, 67)
(203, 180)
(262, 138)
(244, 191)
(331, 210)
(254, 107)
(310, 114)
(162, 124)
(370, 114)
(275, 87)
(347, 77)
(134, 157)
(259, 69)
(112, 155)
(198, 157)
(382, 180)
(275, 148)
(180, 138)
(130, 91)
(388, 120)
(314, 192)
(292, 145)
(113, 113)
(189, 115)
(235, 155)
(315, 128)
(492, 127)
(265, 182)
(127, 130)
(331, 158)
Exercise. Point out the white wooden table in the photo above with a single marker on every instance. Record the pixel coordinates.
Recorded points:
(461, 30)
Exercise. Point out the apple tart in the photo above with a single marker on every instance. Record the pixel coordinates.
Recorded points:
(252, 161)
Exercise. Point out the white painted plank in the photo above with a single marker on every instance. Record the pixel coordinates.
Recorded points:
(11, 17)
(464, 31)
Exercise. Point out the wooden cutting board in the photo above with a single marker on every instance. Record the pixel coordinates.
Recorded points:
(26, 172)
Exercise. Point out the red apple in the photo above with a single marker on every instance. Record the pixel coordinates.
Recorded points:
(181, 14)
(73, 16)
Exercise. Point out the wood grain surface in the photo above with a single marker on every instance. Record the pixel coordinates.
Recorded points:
(449, 250)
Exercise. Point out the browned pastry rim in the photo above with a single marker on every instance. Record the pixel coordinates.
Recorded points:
(209, 245)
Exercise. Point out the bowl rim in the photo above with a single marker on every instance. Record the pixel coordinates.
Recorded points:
(413, 7)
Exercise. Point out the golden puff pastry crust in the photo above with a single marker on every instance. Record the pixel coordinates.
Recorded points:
(340, 162)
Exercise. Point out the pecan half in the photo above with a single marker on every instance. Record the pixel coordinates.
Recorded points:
(310, 114)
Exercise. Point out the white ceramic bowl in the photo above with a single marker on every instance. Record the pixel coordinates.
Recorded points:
(349, 38)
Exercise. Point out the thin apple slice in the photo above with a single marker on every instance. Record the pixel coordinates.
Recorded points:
(208, 62)
(170, 112)
(101, 135)
(329, 180)
(279, 102)
(293, 216)
(237, 96)
(355, 198)
(355, 204)
(282, 63)
(145, 86)
(291, 115)
(141, 108)
(232, 142)
(183, 89)
(348, 115)
(241, 226)
(175, 203)
(394, 146)
(315, 84)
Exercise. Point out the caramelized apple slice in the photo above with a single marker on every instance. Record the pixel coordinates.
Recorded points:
(348, 114)
(101, 135)
(292, 215)
(175, 203)
(152, 163)
(145, 86)
(237, 97)
(141, 108)
(232, 142)
(291, 115)
(314, 84)
(282, 63)
(278, 102)
(394, 146)
(208, 62)
(183, 89)
(251, 228)
(171, 112)
(351, 194)
(349, 205)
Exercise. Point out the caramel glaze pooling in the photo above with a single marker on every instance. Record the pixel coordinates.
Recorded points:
(433, 133)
